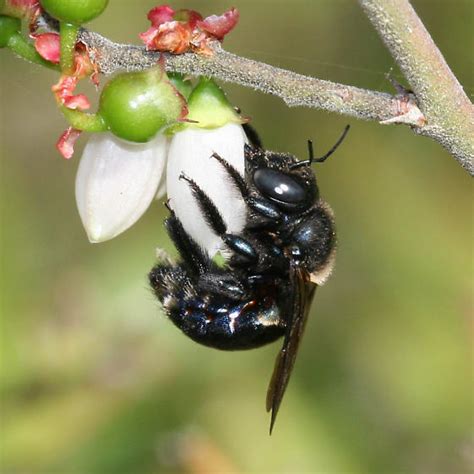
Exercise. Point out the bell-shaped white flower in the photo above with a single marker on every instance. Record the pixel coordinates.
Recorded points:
(116, 182)
(190, 152)
(214, 127)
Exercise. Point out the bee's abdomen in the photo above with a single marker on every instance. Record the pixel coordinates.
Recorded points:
(216, 321)
(227, 326)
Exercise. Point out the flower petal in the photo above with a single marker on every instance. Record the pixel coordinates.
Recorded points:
(65, 144)
(190, 153)
(116, 182)
(173, 37)
(189, 17)
(219, 25)
(148, 37)
(160, 14)
(48, 46)
(79, 102)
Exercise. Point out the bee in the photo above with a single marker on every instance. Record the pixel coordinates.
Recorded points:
(265, 289)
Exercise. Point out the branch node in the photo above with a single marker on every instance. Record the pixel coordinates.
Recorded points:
(409, 112)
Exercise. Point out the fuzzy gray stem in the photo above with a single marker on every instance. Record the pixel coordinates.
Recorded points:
(294, 89)
(448, 111)
(446, 115)
(438, 107)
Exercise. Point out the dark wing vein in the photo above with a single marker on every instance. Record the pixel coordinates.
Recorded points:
(302, 291)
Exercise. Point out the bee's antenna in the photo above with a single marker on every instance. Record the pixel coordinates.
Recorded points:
(310, 151)
(323, 158)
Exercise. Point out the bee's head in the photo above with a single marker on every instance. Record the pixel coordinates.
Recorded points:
(280, 177)
(293, 190)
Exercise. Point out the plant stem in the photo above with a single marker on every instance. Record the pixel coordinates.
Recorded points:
(84, 121)
(438, 109)
(23, 48)
(448, 111)
(295, 89)
(68, 34)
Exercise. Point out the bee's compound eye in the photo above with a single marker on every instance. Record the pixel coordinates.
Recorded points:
(279, 186)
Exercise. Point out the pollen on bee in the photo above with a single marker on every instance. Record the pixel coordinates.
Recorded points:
(233, 315)
(270, 317)
(321, 276)
(167, 301)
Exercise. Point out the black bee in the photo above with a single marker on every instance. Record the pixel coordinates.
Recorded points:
(265, 289)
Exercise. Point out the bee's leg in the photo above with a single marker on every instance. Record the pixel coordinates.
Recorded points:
(266, 209)
(225, 285)
(252, 135)
(189, 250)
(234, 175)
(216, 222)
(168, 280)
(261, 206)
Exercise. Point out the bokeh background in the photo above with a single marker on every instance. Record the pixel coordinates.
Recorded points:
(94, 379)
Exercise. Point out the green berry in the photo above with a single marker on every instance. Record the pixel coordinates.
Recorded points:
(74, 11)
(8, 27)
(136, 105)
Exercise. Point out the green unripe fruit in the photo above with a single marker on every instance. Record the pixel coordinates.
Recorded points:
(209, 106)
(74, 11)
(136, 105)
(8, 27)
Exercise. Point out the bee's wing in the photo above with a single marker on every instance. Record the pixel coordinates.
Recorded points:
(302, 291)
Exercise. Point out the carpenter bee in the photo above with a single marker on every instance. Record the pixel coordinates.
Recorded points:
(265, 289)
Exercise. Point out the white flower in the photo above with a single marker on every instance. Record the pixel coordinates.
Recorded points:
(116, 182)
(190, 153)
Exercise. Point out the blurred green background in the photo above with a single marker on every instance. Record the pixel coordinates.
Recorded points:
(94, 379)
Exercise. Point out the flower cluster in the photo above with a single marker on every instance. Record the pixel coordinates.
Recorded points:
(149, 127)
(117, 179)
(57, 50)
(132, 106)
(186, 30)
